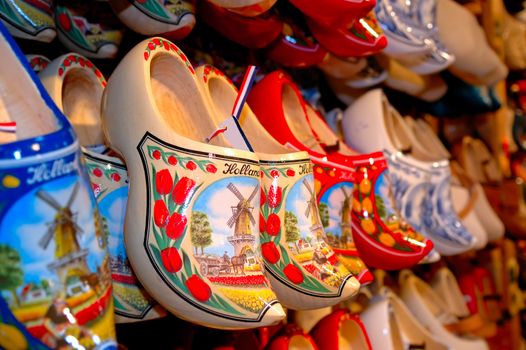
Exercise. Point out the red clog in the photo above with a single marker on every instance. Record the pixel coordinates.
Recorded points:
(363, 38)
(383, 240)
(341, 330)
(292, 337)
(252, 32)
(295, 49)
(335, 12)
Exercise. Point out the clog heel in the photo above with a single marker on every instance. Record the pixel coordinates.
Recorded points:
(76, 86)
(49, 222)
(278, 105)
(341, 330)
(392, 326)
(190, 228)
(302, 268)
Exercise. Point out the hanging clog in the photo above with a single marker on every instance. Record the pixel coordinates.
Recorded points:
(57, 289)
(170, 18)
(339, 13)
(76, 86)
(303, 270)
(341, 330)
(26, 19)
(291, 337)
(191, 222)
(37, 62)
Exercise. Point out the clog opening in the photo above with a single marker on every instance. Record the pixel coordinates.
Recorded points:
(425, 147)
(300, 342)
(433, 302)
(179, 99)
(296, 119)
(326, 135)
(20, 101)
(81, 103)
(395, 326)
(224, 96)
(351, 336)
(396, 131)
(425, 134)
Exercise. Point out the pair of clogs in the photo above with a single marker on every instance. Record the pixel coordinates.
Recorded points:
(420, 176)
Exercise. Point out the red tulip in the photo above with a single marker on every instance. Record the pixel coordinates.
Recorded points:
(160, 213)
(262, 197)
(293, 274)
(273, 224)
(290, 172)
(182, 190)
(198, 288)
(163, 181)
(171, 259)
(64, 21)
(176, 225)
(172, 160)
(116, 177)
(274, 173)
(156, 154)
(211, 168)
(97, 172)
(270, 252)
(191, 165)
(274, 196)
(262, 225)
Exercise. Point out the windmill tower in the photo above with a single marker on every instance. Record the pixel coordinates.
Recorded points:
(243, 239)
(312, 211)
(346, 236)
(70, 259)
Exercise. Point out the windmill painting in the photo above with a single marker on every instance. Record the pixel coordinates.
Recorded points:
(339, 201)
(345, 212)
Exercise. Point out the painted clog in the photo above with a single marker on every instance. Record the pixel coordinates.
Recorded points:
(37, 62)
(295, 49)
(247, 8)
(430, 310)
(94, 40)
(252, 32)
(391, 326)
(29, 19)
(190, 228)
(291, 337)
(57, 290)
(173, 19)
(277, 103)
(335, 12)
(76, 87)
(383, 239)
(363, 38)
(303, 270)
(341, 330)
(421, 189)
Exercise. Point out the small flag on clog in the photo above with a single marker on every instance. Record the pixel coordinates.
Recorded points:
(8, 127)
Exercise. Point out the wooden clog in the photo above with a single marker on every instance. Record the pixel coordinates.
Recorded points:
(173, 19)
(37, 62)
(190, 228)
(341, 330)
(247, 8)
(302, 268)
(26, 19)
(59, 288)
(76, 86)
(291, 337)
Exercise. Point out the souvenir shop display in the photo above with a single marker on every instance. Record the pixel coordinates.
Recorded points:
(262, 174)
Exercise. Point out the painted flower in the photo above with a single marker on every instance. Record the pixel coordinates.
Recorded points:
(191, 165)
(97, 172)
(116, 177)
(274, 173)
(291, 172)
(156, 154)
(273, 224)
(211, 168)
(274, 196)
(160, 213)
(182, 190)
(163, 181)
(64, 21)
(270, 252)
(262, 197)
(172, 160)
(262, 224)
(171, 259)
(198, 288)
(176, 225)
(293, 274)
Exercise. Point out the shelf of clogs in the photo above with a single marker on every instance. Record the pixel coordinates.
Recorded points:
(262, 174)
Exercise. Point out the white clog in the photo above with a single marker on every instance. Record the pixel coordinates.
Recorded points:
(190, 230)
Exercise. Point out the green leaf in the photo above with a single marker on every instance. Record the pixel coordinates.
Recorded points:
(156, 195)
(187, 264)
(283, 195)
(158, 238)
(284, 254)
